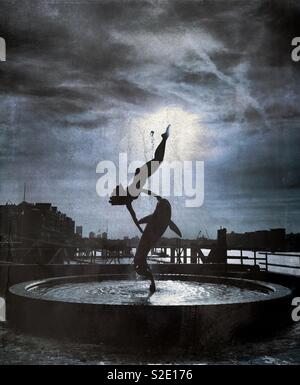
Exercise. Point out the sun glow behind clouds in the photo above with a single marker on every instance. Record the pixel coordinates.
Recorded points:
(185, 134)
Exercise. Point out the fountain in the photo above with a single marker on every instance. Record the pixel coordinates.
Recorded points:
(186, 310)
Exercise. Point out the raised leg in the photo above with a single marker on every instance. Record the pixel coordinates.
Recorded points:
(149, 168)
(160, 151)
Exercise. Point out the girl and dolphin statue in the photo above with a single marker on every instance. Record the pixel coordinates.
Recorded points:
(158, 222)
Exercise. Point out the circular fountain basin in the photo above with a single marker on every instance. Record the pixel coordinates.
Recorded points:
(188, 310)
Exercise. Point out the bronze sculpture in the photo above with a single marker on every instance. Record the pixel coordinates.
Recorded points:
(157, 223)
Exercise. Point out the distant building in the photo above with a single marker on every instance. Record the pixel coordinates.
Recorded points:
(218, 253)
(135, 241)
(293, 242)
(79, 231)
(91, 235)
(104, 235)
(273, 239)
(33, 232)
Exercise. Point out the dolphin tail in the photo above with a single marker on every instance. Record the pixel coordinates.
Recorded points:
(174, 228)
(144, 270)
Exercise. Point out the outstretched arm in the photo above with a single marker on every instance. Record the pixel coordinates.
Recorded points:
(133, 215)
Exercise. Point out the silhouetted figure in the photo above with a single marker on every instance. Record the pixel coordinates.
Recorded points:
(126, 197)
(157, 224)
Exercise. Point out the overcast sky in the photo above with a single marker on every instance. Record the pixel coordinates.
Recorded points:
(84, 81)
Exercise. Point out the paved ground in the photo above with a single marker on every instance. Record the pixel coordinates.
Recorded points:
(282, 348)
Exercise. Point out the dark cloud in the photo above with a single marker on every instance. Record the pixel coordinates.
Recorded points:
(77, 72)
(199, 78)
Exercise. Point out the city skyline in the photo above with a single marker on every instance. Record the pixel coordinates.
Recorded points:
(11, 229)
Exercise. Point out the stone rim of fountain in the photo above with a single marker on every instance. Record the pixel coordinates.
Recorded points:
(184, 325)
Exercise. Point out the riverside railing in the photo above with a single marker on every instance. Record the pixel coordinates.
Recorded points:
(264, 258)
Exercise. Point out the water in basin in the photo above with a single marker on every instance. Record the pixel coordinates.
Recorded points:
(169, 292)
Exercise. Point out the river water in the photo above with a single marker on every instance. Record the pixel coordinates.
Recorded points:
(288, 259)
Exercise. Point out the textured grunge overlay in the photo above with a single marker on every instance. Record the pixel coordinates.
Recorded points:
(86, 81)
